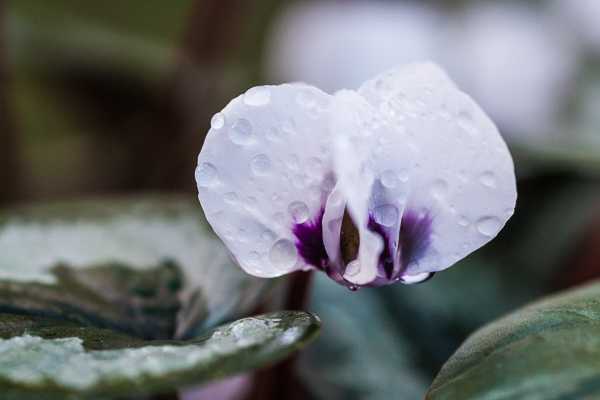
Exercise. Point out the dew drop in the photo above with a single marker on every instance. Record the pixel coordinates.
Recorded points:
(254, 258)
(389, 179)
(314, 192)
(418, 278)
(489, 226)
(439, 189)
(261, 164)
(465, 121)
(314, 167)
(462, 175)
(241, 235)
(240, 131)
(386, 215)
(367, 129)
(403, 175)
(402, 197)
(352, 269)
(510, 211)
(272, 133)
(217, 121)
(354, 288)
(283, 254)
(267, 235)
(228, 235)
(292, 161)
(305, 97)
(205, 174)
(298, 181)
(230, 197)
(487, 178)
(313, 113)
(322, 151)
(257, 96)
(462, 220)
(420, 102)
(279, 217)
(299, 211)
(289, 125)
(250, 203)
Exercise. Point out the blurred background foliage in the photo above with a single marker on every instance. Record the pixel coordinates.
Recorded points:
(114, 97)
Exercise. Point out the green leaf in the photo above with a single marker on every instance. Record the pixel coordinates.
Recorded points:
(147, 266)
(547, 350)
(41, 361)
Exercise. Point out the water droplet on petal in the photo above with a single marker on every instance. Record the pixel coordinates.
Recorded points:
(289, 125)
(404, 174)
(217, 121)
(465, 121)
(292, 161)
(299, 211)
(389, 179)
(283, 254)
(487, 178)
(462, 220)
(510, 211)
(254, 258)
(402, 197)
(298, 181)
(272, 133)
(261, 164)
(267, 235)
(313, 113)
(367, 129)
(250, 203)
(354, 288)
(241, 235)
(444, 113)
(230, 197)
(386, 215)
(418, 278)
(352, 269)
(439, 189)
(279, 217)
(314, 167)
(240, 131)
(305, 97)
(257, 96)
(205, 174)
(462, 175)
(328, 183)
(489, 226)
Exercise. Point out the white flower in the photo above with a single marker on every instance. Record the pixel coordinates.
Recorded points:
(395, 181)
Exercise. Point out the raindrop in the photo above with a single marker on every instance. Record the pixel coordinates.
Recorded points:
(283, 254)
(462, 175)
(205, 174)
(403, 175)
(298, 181)
(289, 125)
(257, 96)
(240, 131)
(314, 167)
(313, 113)
(354, 288)
(462, 220)
(228, 235)
(489, 226)
(419, 278)
(389, 179)
(439, 189)
(230, 197)
(261, 164)
(465, 121)
(328, 183)
(402, 197)
(367, 129)
(250, 203)
(444, 113)
(241, 235)
(352, 269)
(254, 258)
(267, 235)
(510, 211)
(292, 161)
(305, 97)
(272, 133)
(299, 211)
(217, 121)
(386, 215)
(279, 217)
(314, 192)
(420, 102)
(487, 178)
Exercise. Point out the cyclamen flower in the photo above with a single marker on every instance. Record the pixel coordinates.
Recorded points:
(395, 181)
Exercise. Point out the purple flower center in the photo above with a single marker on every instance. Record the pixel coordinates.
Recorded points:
(309, 241)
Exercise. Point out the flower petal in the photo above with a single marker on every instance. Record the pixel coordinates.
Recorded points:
(378, 89)
(263, 176)
(463, 183)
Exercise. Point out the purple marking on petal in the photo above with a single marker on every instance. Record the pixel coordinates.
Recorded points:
(309, 241)
(415, 237)
(386, 258)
